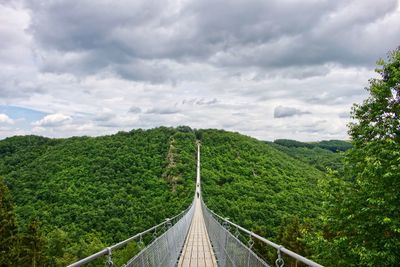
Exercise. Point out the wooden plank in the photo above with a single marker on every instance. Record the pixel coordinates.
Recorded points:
(197, 251)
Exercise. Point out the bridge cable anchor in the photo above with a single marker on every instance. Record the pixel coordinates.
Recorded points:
(279, 261)
(226, 225)
(141, 243)
(237, 233)
(109, 261)
(155, 234)
(250, 242)
(168, 223)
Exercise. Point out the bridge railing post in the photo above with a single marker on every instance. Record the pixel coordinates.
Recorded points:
(250, 244)
(109, 260)
(279, 261)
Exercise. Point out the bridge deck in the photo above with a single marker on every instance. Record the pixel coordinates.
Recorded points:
(197, 251)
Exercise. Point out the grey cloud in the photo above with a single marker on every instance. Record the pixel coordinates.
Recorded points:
(318, 127)
(132, 36)
(344, 115)
(17, 71)
(135, 110)
(325, 39)
(300, 73)
(109, 124)
(163, 110)
(9, 92)
(99, 36)
(200, 102)
(289, 72)
(328, 98)
(282, 112)
(145, 70)
(254, 22)
(85, 25)
(336, 94)
(18, 86)
(239, 114)
(104, 117)
(203, 102)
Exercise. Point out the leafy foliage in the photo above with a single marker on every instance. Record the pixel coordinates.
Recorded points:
(362, 219)
(18, 248)
(334, 145)
(258, 186)
(292, 143)
(331, 145)
(322, 159)
(89, 192)
(8, 227)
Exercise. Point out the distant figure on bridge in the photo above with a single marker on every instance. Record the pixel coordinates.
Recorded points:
(197, 194)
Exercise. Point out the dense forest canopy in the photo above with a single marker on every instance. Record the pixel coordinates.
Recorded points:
(96, 191)
(84, 193)
(324, 155)
(332, 145)
(254, 183)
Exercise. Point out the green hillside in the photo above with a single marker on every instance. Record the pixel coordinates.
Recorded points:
(323, 155)
(87, 193)
(254, 183)
(258, 186)
(90, 192)
(331, 145)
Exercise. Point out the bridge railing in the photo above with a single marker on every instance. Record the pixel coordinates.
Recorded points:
(231, 251)
(164, 250)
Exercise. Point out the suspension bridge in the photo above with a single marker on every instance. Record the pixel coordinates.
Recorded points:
(197, 237)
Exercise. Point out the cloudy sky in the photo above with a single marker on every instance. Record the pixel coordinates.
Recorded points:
(269, 69)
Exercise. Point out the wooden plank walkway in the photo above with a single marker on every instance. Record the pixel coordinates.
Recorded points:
(197, 251)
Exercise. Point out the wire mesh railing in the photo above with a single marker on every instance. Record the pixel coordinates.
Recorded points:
(166, 249)
(167, 238)
(228, 249)
(231, 251)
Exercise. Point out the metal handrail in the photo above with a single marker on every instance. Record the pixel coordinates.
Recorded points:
(165, 249)
(279, 248)
(108, 250)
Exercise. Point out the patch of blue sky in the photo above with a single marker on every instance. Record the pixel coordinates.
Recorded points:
(23, 117)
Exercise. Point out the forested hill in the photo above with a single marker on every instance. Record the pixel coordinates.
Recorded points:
(323, 155)
(259, 187)
(86, 193)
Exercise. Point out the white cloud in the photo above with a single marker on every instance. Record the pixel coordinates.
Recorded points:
(53, 120)
(5, 119)
(142, 64)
